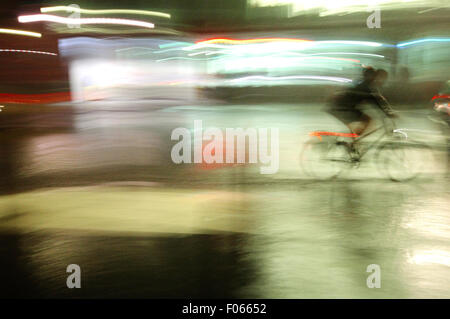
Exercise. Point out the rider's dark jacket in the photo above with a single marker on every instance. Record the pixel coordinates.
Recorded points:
(350, 99)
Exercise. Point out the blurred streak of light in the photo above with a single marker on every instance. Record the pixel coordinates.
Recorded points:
(178, 43)
(211, 53)
(279, 61)
(184, 58)
(34, 98)
(365, 43)
(401, 131)
(432, 9)
(173, 82)
(348, 8)
(142, 53)
(200, 46)
(27, 51)
(249, 41)
(307, 57)
(350, 53)
(404, 130)
(319, 134)
(278, 44)
(294, 77)
(105, 11)
(21, 32)
(169, 50)
(134, 48)
(329, 7)
(403, 44)
(299, 54)
(204, 52)
(76, 21)
(443, 96)
(433, 256)
(326, 58)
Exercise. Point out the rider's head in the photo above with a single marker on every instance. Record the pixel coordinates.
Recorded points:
(380, 77)
(369, 74)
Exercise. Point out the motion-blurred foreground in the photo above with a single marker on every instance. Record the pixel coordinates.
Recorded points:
(92, 98)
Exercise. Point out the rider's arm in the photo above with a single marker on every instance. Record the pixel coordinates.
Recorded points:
(382, 103)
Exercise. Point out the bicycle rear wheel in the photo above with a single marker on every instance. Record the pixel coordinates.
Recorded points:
(324, 159)
(404, 161)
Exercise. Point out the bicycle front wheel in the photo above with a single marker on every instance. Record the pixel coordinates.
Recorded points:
(405, 161)
(323, 159)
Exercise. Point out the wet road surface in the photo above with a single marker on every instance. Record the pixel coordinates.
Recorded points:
(102, 192)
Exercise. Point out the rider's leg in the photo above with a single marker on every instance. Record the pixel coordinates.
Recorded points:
(361, 125)
(358, 127)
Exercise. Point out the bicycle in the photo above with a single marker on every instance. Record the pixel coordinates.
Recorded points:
(326, 154)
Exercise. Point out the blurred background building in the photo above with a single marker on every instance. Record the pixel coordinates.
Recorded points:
(306, 49)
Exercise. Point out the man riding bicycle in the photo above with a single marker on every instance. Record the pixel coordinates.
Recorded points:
(345, 106)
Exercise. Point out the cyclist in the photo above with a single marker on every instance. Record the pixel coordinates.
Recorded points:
(345, 105)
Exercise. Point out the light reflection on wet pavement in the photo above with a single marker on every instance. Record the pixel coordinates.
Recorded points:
(106, 199)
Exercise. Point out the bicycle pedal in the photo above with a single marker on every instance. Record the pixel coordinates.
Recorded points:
(342, 143)
(355, 156)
